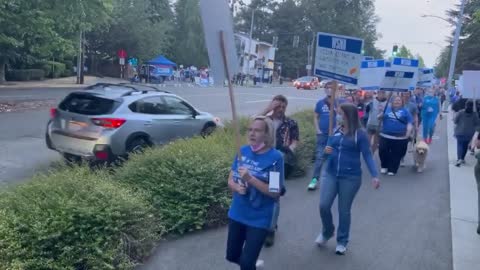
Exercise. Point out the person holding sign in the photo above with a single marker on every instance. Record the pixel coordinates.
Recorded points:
(256, 180)
(374, 109)
(430, 111)
(344, 175)
(395, 135)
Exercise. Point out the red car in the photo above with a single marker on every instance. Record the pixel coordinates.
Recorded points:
(307, 82)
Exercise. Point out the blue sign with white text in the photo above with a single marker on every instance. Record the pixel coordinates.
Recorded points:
(338, 57)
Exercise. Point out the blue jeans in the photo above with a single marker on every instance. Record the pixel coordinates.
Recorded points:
(244, 244)
(321, 143)
(462, 146)
(346, 188)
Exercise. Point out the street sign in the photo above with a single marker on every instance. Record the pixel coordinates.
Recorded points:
(397, 81)
(308, 67)
(372, 74)
(122, 53)
(216, 18)
(338, 57)
(122, 61)
(470, 84)
(407, 65)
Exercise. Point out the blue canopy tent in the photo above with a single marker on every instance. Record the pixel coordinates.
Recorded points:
(161, 60)
(160, 69)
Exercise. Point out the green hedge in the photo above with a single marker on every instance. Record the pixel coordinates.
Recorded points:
(52, 69)
(74, 219)
(26, 74)
(187, 179)
(78, 219)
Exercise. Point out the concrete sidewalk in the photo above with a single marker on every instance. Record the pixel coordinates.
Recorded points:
(463, 204)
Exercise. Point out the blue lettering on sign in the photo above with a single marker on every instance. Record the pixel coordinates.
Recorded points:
(405, 62)
(340, 43)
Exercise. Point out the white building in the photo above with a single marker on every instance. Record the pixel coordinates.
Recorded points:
(262, 57)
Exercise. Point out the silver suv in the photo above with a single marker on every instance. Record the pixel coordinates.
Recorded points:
(107, 121)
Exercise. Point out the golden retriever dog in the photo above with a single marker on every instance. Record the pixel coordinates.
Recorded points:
(420, 155)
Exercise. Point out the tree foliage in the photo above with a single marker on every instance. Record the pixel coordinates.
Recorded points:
(288, 18)
(468, 57)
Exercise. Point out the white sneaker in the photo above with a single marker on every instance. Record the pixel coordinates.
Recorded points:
(341, 250)
(402, 163)
(260, 264)
(383, 170)
(321, 240)
(390, 174)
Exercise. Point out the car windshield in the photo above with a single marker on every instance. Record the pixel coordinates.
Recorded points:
(305, 79)
(87, 104)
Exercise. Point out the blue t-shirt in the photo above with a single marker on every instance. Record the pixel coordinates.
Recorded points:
(430, 105)
(323, 111)
(395, 123)
(256, 209)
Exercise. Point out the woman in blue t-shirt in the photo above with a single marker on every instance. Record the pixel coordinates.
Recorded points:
(394, 137)
(344, 175)
(255, 204)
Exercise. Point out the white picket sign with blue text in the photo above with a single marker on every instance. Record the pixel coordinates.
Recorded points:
(396, 80)
(407, 65)
(338, 57)
(372, 74)
(426, 77)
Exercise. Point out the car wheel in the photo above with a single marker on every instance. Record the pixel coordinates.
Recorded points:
(137, 145)
(208, 130)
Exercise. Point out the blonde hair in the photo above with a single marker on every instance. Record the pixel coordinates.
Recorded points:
(269, 129)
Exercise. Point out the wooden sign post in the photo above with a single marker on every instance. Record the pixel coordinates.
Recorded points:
(332, 107)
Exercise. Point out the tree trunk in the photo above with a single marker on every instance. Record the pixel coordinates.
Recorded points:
(3, 63)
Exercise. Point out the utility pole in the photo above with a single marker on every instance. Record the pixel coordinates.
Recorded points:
(79, 58)
(311, 54)
(250, 42)
(453, 59)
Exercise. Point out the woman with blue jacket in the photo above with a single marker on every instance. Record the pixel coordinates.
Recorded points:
(344, 175)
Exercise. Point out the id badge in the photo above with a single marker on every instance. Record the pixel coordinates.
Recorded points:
(274, 182)
(430, 109)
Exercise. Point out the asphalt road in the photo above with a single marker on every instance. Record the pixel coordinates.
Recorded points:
(22, 144)
(404, 225)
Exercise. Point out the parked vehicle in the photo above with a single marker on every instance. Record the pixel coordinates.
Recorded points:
(108, 121)
(307, 82)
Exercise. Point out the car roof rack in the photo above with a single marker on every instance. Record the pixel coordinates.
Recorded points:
(134, 88)
(145, 86)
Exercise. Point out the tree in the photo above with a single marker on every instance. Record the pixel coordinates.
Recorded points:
(144, 28)
(190, 48)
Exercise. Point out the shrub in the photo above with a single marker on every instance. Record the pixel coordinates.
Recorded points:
(26, 74)
(74, 219)
(52, 69)
(187, 179)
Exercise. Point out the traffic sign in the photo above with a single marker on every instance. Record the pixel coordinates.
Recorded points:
(122, 61)
(122, 53)
(338, 57)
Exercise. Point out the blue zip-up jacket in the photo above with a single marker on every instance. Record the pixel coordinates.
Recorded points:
(345, 158)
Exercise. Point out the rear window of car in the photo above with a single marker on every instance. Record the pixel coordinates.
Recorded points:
(88, 104)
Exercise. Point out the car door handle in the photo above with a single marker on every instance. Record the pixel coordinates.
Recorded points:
(177, 122)
(148, 123)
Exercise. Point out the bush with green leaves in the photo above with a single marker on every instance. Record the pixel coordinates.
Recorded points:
(75, 219)
(52, 69)
(187, 180)
(25, 74)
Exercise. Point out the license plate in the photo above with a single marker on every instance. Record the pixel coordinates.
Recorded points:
(76, 126)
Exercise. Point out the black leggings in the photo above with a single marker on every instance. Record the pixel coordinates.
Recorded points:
(244, 244)
(391, 153)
